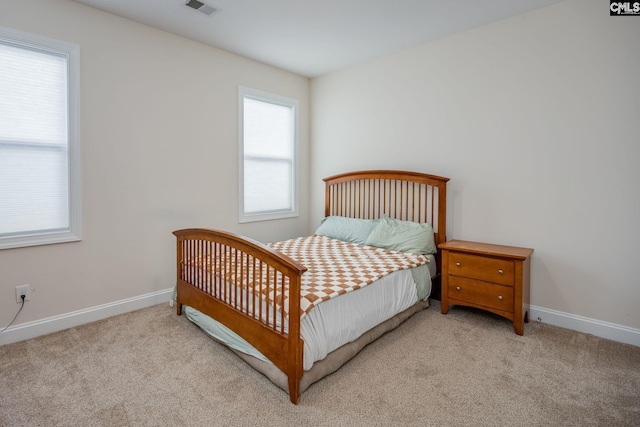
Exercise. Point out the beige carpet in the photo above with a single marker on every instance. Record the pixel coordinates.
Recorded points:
(153, 368)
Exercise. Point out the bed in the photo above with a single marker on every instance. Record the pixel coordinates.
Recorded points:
(259, 296)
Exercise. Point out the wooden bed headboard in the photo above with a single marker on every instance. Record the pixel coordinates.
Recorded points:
(409, 196)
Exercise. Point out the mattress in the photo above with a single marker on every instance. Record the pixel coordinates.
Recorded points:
(338, 321)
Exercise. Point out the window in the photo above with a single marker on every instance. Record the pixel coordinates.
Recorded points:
(268, 139)
(39, 146)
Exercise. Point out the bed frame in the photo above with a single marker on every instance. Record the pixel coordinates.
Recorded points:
(408, 196)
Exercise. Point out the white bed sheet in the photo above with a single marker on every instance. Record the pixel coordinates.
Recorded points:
(335, 322)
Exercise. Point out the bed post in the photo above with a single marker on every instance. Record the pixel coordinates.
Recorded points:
(442, 223)
(327, 198)
(178, 272)
(296, 347)
(442, 211)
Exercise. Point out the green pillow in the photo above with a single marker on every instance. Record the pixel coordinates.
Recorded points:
(404, 236)
(353, 230)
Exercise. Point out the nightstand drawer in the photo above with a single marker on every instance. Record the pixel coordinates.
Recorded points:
(482, 293)
(483, 268)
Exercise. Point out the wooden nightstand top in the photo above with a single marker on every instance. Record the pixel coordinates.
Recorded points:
(486, 249)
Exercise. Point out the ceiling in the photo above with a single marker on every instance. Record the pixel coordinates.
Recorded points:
(313, 37)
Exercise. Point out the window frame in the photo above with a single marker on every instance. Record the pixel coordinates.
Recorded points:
(259, 95)
(72, 54)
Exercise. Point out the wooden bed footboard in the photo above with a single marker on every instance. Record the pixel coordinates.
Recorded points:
(239, 282)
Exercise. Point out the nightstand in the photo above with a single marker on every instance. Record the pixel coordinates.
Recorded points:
(494, 278)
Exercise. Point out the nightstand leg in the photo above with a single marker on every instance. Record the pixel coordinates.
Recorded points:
(518, 325)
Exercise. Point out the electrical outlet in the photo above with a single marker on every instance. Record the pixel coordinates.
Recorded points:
(23, 290)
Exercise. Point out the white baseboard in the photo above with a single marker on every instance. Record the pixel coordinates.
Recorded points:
(598, 328)
(36, 328)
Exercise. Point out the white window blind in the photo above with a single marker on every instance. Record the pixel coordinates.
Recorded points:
(268, 154)
(38, 142)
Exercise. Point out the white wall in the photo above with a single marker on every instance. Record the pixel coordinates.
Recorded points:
(535, 120)
(159, 145)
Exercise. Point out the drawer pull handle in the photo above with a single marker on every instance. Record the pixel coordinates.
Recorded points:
(457, 264)
(458, 288)
(500, 271)
(500, 297)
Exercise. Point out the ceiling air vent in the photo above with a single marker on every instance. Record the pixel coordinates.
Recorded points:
(202, 7)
